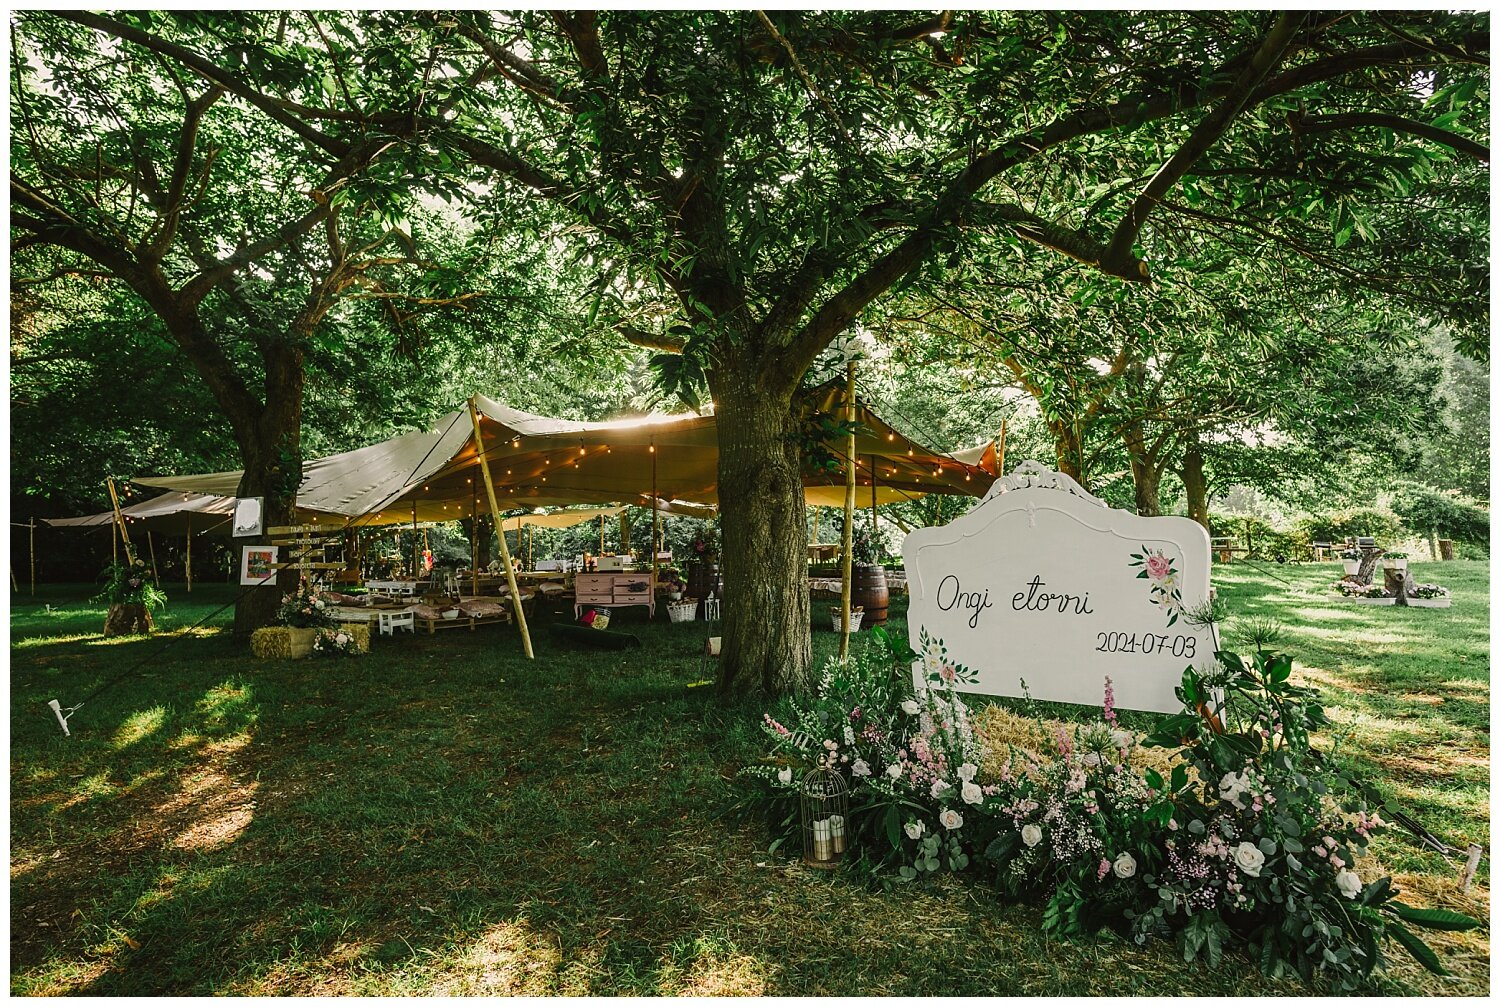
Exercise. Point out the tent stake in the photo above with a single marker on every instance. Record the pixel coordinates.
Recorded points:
(848, 567)
(510, 574)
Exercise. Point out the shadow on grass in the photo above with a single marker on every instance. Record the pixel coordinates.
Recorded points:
(445, 817)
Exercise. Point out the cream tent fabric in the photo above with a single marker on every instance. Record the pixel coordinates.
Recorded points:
(167, 514)
(537, 461)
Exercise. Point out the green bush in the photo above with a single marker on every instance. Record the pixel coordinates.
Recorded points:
(1443, 514)
(1382, 525)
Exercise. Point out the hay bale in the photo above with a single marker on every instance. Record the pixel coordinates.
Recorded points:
(283, 642)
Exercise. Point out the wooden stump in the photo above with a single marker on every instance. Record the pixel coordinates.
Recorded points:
(1367, 566)
(1398, 583)
(127, 620)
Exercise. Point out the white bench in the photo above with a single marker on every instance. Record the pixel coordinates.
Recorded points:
(391, 621)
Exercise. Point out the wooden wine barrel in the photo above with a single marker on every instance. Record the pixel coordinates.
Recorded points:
(867, 588)
(702, 578)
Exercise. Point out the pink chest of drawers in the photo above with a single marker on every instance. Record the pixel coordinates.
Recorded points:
(612, 590)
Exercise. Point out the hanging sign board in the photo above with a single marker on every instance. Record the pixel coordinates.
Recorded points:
(1042, 583)
(249, 515)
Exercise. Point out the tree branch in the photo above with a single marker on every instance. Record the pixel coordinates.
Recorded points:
(1118, 259)
(1353, 120)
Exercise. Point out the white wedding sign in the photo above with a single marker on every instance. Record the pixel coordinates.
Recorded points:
(1044, 583)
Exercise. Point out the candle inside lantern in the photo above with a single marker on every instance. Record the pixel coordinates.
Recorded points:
(822, 839)
(836, 832)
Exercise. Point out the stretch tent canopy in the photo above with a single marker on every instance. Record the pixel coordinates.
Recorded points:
(167, 514)
(538, 461)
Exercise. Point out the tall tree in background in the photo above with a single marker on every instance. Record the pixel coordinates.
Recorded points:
(236, 233)
(751, 183)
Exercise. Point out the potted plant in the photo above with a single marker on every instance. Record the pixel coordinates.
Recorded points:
(1351, 558)
(1394, 560)
(1429, 596)
(131, 597)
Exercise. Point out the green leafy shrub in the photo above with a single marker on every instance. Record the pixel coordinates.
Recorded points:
(1334, 526)
(1443, 514)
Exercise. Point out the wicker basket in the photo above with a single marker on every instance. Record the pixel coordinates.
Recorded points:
(682, 611)
(855, 618)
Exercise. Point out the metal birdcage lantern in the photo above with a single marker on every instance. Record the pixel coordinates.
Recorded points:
(825, 814)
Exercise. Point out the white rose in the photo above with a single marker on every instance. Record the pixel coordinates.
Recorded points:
(318, 602)
(1231, 787)
(939, 786)
(971, 793)
(342, 638)
(1121, 739)
(860, 768)
(1125, 866)
(1031, 834)
(914, 830)
(785, 776)
(966, 772)
(951, 819)
(1091, 758)
(910, 708)
(1349, 883)
(1249, 859)
(893, 770)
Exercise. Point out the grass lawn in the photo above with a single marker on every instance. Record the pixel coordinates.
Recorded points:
(445, 817)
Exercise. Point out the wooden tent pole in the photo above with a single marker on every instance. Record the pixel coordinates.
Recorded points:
(188, 565)
(151, 544)
(32, 526)
(1000, 452)
(510, 574)
(817, 517)
(601, 534)
(848, 565)
(114, 544)
(531, 547)
(416, 546)
(114, 501)
(874, 506)
(655, 519)
(474, 536)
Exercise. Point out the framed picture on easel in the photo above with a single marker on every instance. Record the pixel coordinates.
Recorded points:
(258, 564)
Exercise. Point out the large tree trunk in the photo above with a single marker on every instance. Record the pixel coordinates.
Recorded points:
(1069, 449)
(763, 520)
(1195, 484)
(273, 470)
(1144, 473)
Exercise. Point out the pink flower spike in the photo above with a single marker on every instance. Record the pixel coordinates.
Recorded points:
(1110, 716)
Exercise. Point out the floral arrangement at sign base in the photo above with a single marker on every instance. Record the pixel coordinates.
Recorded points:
(345, 641)
(1223, 830)
(287, 642)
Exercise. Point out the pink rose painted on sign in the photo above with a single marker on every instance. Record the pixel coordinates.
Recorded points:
(1157, 567)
